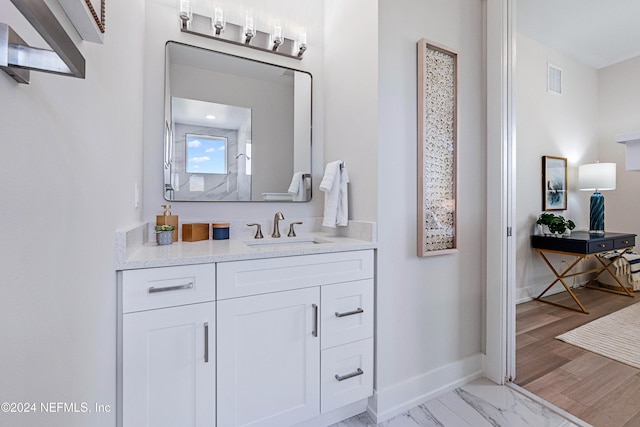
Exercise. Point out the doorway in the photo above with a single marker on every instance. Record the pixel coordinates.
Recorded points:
(573, 124)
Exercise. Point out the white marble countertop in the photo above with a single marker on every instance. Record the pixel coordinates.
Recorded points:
(149, 255)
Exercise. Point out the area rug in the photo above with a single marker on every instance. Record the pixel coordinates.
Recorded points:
(616, 336)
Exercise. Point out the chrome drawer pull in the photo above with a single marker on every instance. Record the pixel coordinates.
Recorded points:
(626, 242)
(153, 290)
(602, 245)
(315, 320)
(206, 342)
(351, 375)
(350, 313)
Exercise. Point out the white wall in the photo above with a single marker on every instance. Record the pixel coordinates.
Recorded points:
(548, 124)
(163, 26)
(619, 112)
(429, 312)
(351, 116)
(71, 155)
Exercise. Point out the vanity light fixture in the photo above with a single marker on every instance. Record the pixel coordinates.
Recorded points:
(218, 20)
(243, 34)
(249, 31)
(276, 37)
(210, 117)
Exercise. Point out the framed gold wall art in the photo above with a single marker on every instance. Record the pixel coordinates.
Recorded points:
(437, 149)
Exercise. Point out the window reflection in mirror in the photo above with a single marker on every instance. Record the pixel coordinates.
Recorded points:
(206, 154)
(262, 111)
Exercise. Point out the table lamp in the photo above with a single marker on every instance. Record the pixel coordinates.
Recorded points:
(597, 177)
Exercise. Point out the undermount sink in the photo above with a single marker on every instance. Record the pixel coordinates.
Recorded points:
(285, 241)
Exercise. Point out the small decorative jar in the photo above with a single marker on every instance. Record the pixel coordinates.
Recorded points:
(220, 230)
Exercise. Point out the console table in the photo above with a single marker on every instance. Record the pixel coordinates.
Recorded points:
(582, 245)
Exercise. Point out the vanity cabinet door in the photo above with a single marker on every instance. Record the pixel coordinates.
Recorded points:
(169, 367)
(269, 359)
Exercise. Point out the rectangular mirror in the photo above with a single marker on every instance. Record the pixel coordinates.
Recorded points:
(235, 129)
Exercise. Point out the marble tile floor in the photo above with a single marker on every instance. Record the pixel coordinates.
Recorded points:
(478, 404)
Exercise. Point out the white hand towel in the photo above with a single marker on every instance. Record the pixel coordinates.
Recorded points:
(334, 184)
(330, 174)
(297, 187)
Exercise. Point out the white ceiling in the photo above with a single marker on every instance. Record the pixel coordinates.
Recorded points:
(598, 33)
(194, 112)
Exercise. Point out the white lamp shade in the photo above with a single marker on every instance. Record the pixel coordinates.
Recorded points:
(597, 176)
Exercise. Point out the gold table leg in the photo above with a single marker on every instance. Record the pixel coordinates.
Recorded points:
(606, 266)
(560, 278)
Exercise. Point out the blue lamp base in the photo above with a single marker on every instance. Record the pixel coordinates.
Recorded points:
(596, 213)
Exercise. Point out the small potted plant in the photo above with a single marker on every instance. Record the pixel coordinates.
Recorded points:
(164, 234)
(555, 225)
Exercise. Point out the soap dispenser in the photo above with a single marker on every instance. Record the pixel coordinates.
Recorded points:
(167, 219)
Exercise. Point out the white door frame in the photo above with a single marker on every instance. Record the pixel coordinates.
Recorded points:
(499, 361)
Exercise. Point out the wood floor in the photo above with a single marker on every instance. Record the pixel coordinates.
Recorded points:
(598, 390)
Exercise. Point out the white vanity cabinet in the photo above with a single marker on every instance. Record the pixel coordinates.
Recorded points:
(295, 337)
(278, 341)
(168, 347)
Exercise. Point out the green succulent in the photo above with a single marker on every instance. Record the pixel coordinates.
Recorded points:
(165, 228)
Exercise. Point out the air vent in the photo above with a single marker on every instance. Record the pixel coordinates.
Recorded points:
(554, 79)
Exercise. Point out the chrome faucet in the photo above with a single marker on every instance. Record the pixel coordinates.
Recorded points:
(276, 228)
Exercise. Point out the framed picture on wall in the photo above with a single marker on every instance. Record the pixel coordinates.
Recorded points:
(554, 183)
(437, 149)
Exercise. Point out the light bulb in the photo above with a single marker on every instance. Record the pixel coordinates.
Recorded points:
(185, 10)
(218, 20)
(277, 34)
(302, 40)
(248, 27)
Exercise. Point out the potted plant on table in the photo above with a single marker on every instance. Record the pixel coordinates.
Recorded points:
(165, 234)
(555, 225)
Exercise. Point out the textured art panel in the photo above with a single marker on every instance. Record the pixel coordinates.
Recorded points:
(437, 151)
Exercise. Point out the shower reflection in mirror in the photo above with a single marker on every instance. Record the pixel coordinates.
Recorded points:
(207, 159)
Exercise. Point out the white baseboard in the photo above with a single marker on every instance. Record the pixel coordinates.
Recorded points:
(389, 402)
(531, 291)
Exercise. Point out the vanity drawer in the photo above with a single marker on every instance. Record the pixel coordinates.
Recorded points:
(624, 242)
(252, 277)
(152, 288)
(346, 312)
(346, 374)
(600, 246)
